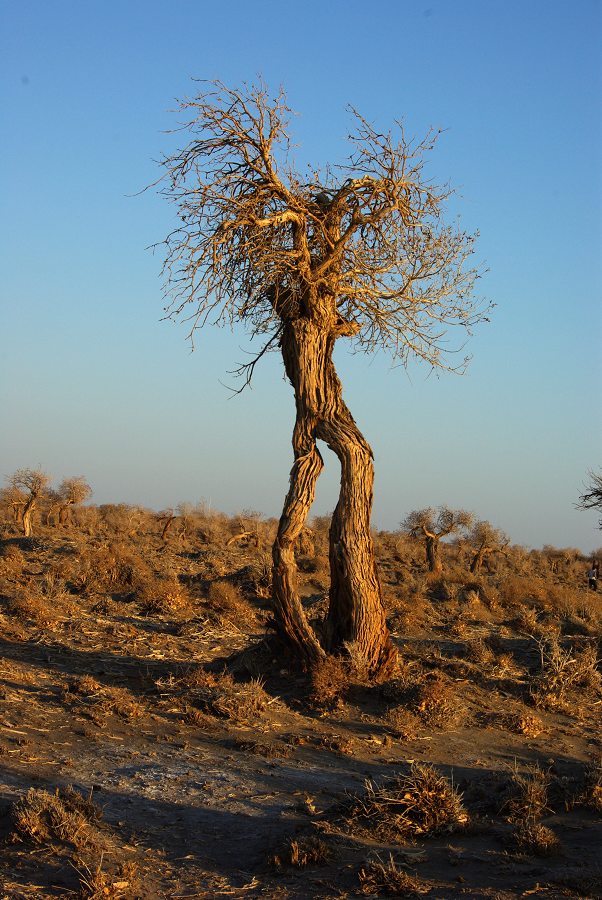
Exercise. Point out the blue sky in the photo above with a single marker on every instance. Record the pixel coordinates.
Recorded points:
(93, 383)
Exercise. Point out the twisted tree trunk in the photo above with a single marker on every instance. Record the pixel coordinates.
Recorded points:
(356, 618)
(27, 515)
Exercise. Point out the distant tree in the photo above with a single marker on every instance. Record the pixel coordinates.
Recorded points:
(592, 496)
(485, 540)
(433, 525)
(71, 492)
(32, 485)
(13, 498)
(304, 259)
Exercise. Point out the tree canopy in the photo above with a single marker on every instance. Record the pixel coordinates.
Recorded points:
(260, 242)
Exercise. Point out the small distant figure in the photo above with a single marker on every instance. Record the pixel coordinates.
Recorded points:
(592, 576)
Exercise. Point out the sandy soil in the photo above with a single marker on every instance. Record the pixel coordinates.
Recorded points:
(195, 796)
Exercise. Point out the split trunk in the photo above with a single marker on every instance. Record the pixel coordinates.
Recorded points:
(356, 619)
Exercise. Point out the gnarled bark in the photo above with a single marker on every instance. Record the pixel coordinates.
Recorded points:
(356, 618)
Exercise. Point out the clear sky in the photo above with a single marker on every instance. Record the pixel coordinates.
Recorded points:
(93, 383)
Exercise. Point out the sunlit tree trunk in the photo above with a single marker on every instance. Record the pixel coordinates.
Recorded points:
(356, 618)
(27, 516)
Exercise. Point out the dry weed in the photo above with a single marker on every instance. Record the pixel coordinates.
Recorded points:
(221, 696)
(536, 839)
(162, 597)
(420, 803)
(100, 701)
(44, 818)
(522, 723)
(301, 852)
(438, 705)
(561, 670)
(329, 680)
(526, 806)
(377, 877)
(226, 603)
(33, 607)
(529, 795)
(12, 562)
(591, 795)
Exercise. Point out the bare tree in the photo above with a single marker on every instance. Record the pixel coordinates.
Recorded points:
(32, 484)
(70, 493)
(14, 498)
(592, 496)
(485, 540)
(433, 525)
(360, 251)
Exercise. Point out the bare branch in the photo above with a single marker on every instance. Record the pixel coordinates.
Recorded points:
(362, 249)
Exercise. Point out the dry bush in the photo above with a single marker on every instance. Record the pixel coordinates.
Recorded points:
(591, 795)
(527, 804)
(437, 703)
(259, 577)
(420, 803)
(29, 605)
(96, 884)
(536, 839)
(481, 653)
(329, 680)
(112, 568)
(302, 852)
(528, 800)
(12, 562)
(522, 723)
(100, 701)
(336, 743)
(377, 877)
(402, 723)
(226, 603)
(66, 816)
(163, 596)
(561, 670)
(221, 696)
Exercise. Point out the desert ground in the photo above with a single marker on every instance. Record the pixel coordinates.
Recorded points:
(157, 741)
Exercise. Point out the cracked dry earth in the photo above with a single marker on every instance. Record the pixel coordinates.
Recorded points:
(199, 785)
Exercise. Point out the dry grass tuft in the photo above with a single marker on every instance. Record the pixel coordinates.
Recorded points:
(44, 818)
(536, 839)
(96, 884)
(221, 696)
(329, 680)
(528, 799)
(302, 852)
(420, 803)
(525, 807)
(12, 562)
(437, 704)
(561, 670)
(226, 603)
(522, 723)
(162, 597)
(591, 795)
(377, 877)
(100, 701)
